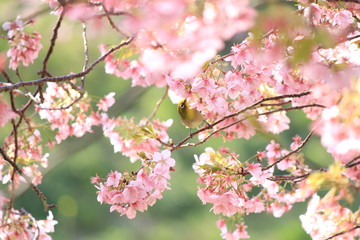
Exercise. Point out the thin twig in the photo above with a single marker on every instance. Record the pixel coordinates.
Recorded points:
(352, 161)
(52, 45)
(352, 1)
(36, 189)
(292, 152)
(295, 178)
(274, 104)
(119, 13)
(112, 24)
(86, 53)
(15, 158)
(343, 232)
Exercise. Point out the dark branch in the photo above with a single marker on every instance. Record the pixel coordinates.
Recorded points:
(36, 189)
(292, 152)
(343, 232)
(40, 81)
(352, 162)
(254, 105)
(52, 44)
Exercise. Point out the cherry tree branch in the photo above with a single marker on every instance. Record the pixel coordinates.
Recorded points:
(20, 171)
(294, 178)
(352, 162)
(353, 1)
(238, 121)
(52, 45)
(8, 87)
(112, 24)
(343, 232)
(254, 105)
(292, 152)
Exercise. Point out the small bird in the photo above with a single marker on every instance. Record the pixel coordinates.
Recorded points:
(191, 118)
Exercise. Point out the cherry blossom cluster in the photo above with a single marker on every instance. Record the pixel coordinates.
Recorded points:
(69, 111)
(130, 192)
(22, 225)
(339, 129)
(25, 47)
(130, 138)
(238, 233)
(326, 217)
(165, 39)
(235, 188)
(228, 183)
(29, 155)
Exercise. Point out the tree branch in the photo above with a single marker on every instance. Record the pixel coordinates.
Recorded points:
(8, 87)
(343, 232)
(52, 45)
(36, 189)
(210, 126)
(292, 152)
(352, 162)
(353, 1)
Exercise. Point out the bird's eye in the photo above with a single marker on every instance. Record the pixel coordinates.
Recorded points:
(182, 105)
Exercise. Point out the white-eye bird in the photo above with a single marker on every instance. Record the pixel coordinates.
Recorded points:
(191, 118)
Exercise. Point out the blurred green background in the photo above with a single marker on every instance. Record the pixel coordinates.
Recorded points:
(66, 183)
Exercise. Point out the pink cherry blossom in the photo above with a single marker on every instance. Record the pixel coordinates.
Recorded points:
(22, 225)
(25, 47)
(130, 193)
(329, 211)
(6, 113)
(106, 102)
(238, 233)
(113, 179)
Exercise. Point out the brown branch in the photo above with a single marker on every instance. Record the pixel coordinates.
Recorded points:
(180, 145)
(40, 81)
(294, 178)
(210, 126)
(112, 24)
(36, 189)
(352, 162)
(256, 104)
(343, 232)
(274, 104)
(16, 143)
(169, 145)
(353, 1)
(119, 13)
(52, 45)
(292, 152)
